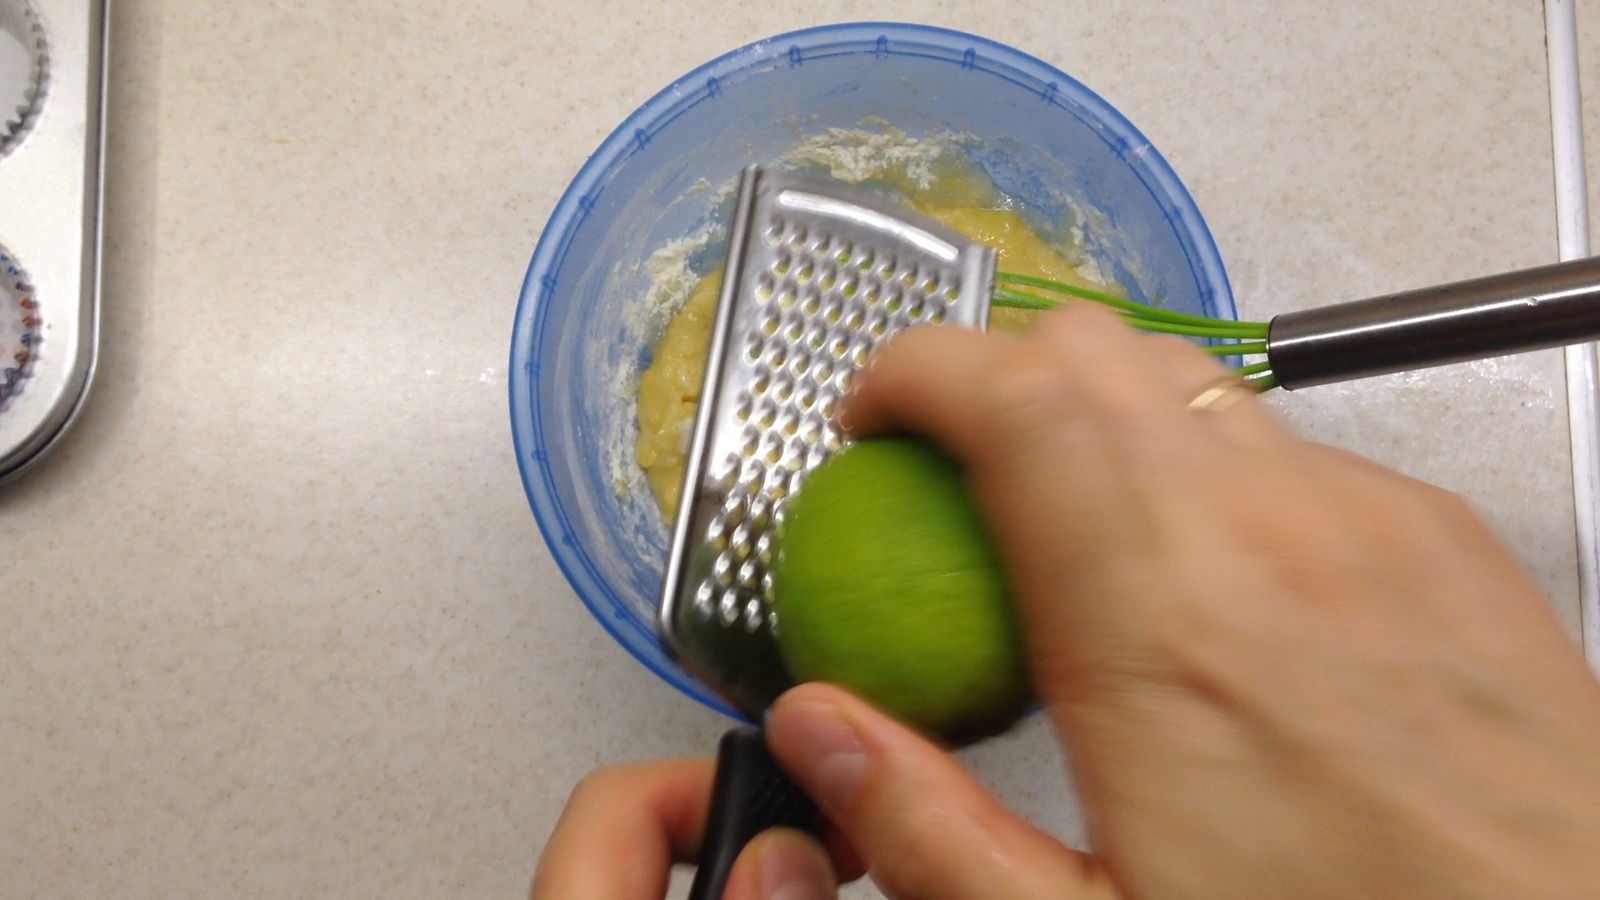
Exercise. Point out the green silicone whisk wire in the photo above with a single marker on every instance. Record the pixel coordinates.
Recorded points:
(1228, 337)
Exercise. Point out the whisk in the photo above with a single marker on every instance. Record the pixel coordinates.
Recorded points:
(1226, 337)
(1530, 309)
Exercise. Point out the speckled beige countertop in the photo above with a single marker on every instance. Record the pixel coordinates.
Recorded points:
(277, 620)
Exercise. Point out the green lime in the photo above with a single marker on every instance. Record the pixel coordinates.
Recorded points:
(885, 583)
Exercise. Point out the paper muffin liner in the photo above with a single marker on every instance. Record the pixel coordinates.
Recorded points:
(18, 112)
(19, 326)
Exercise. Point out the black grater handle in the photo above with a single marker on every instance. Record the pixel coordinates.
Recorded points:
(750, 795)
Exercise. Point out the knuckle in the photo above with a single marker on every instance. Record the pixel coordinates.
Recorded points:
(598, 786)
(1452, 510)
(911, 859)
(1031, 389)
(1078, 318)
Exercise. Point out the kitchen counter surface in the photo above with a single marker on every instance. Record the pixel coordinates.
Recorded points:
(278, 621)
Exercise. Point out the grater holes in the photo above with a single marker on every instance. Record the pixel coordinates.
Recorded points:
(815, 338)
(825, 406)
(742, 408)
(838, 346)
(859, 348)
(781, 265)
(765, 287)
(811, 305)
(810, 430)
(872, 295)
(760, 385)
(705, 599)
(915, 310)
(804, 273)
(733, 506)
(751, 472)
(805, 398)
(742, 542)
(782, 390)
(908, 278)
(792, 331)
(761, 517)
(822, 369)
(849, 288)
(817, 451)
(786, 296)
(797, 237)
(893, 304)
(937, 316)
(722, 478)
(952, 289)
(764, 550)
(799, 364)
(772, 452)
(876, 329)
(717, 533)
(930, 285)
(832, 313)
(774, 233)
(854, 319)
(766, 413)
(728, 607)
(754, 615)
(722, 569)
(832, 442)
(776, 354)
(886, 266)
(827, 281)
(794, 460)
(767, 593)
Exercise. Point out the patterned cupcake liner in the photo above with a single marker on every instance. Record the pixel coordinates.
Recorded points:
(19, 326)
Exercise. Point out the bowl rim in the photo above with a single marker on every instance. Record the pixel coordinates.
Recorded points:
(635, 132)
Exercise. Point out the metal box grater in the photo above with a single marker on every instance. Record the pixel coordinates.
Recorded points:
(818, 274)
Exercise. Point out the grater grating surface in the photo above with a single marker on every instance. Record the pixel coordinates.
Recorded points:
(818, 274)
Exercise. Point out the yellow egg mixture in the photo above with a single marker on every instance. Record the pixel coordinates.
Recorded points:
(669, 390)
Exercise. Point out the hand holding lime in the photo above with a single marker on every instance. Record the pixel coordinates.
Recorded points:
(886, 584)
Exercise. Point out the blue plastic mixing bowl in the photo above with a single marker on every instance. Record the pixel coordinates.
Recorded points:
(1044, 138)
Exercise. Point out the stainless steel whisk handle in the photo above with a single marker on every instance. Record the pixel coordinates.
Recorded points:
(1531, 309)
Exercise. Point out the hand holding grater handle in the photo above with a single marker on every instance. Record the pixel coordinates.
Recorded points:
(1531, 309)
(750, 795)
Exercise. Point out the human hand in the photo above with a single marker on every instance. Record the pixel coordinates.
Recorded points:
(1279, 670)
(624, 827)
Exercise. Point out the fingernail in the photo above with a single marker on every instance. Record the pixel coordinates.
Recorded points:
(795, 875)
(827, 750)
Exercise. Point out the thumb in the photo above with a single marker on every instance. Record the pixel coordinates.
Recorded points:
(922, 824)
(782, 864)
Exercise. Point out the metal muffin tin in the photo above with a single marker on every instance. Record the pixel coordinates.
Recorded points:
(51, 142)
